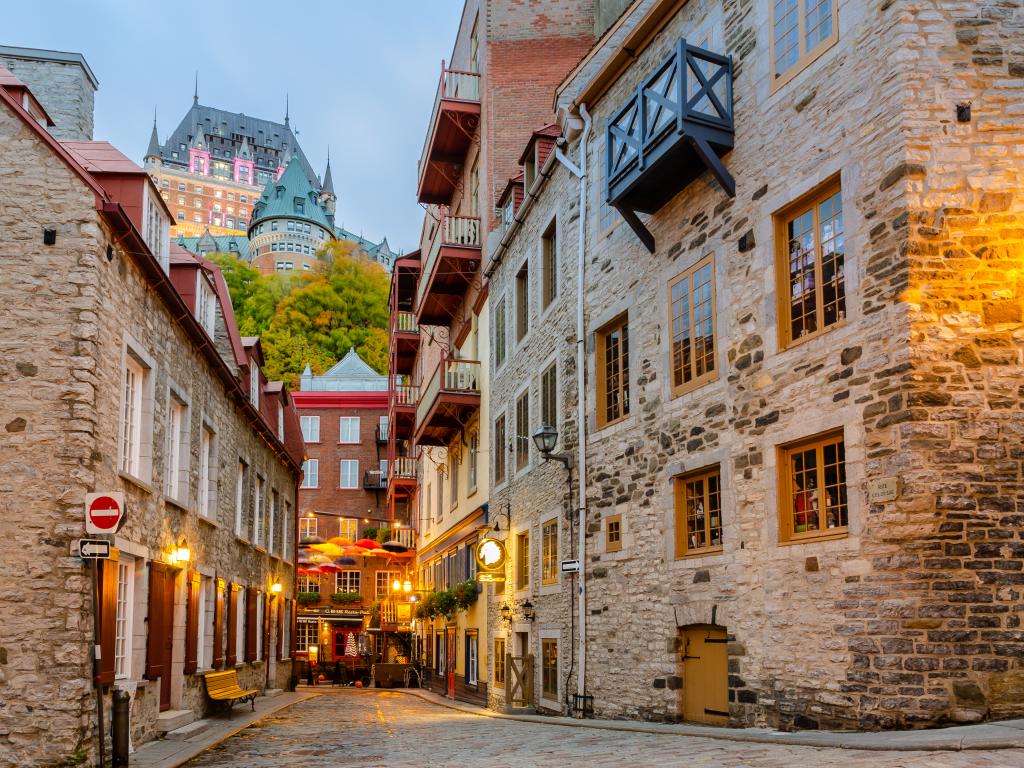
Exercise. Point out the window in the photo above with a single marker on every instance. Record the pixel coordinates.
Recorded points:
(499, 662)
(207, 472)
(348, 528)
(254, 383)
(241, 484)
(181, 215)
(309, 584)
(280, 422)
(523, 301)
(522, 431)
(474, 189)
(348, 429)
(181, 186)
(272, 522)
(286, 623)
(240, 625)
(474, 49)
(523, 560)
(383, 583)
(204, 657)
(286, 529)
(474, 455)
(307, 527)
(305, 635)
(692, 315)
(801, 31)
(698, 512)
(454, 486)
(549, 553)
(499, 450)
(135, 375)
(349, 474)
(310, 473)
(612, 368)
(347, 581)
(813, 488)
(549, 266)
(613, 533)
(471, 662)
(123, 618)
(176, 481)
(499, 333)
(548, 395)
(812, 269)
(440, 497)
(549, 668)
(382, 428)
(257, 513)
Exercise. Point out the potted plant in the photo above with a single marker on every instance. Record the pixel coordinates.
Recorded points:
(369, 532)
(308, 598)
(466, 594)
(446, 603)
(346, 598)
(383, 534)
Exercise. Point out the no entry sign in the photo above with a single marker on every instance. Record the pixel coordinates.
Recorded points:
(103, 512)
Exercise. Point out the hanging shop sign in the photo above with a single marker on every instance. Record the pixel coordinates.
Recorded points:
(490, 559)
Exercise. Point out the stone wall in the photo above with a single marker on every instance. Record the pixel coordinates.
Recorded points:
(63, 88)
(913, 617)
(69, 313)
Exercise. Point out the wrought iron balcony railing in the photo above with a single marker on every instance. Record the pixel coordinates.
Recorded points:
(678, 123)
(374, 480)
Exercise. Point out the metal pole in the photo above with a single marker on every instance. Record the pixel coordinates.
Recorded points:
(96, 652)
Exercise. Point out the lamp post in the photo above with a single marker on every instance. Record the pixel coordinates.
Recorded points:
(545, 438)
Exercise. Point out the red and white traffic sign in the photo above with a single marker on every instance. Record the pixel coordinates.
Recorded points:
(103, 512)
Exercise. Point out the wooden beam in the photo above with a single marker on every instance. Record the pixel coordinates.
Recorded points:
(630, 217)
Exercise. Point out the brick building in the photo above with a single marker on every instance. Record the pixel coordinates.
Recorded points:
(802, 344)
(344, 421)
(127, 375)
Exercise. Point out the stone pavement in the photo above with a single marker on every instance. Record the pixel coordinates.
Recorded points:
(367, 728)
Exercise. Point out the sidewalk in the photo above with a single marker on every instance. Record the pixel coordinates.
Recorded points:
(170, 753)
(1006, 734)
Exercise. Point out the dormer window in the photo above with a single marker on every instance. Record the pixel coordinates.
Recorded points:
(300, 205)
(280, 422)
(206, 304)
(254, 383)
(530, 171)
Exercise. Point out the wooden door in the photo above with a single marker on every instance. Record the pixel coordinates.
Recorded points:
(705, 675)
(450, 660)
(160, 641)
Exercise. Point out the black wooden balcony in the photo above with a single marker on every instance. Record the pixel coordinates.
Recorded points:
(676, 125)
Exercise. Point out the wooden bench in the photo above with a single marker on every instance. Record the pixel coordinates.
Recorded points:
(224, 687)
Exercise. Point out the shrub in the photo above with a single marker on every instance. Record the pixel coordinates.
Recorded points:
(445, 603)
(346, 597)
(466, 594)
(308, 598)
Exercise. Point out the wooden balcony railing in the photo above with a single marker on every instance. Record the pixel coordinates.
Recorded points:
(403, 468)
(452, 376)
(455, 85)
(404, 394)
(452, 232)
(404, 322)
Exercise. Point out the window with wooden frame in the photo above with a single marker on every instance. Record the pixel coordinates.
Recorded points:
(691, 298)
(698, 523)
(549, 264)
(523, 560)
(549, 553)
(812, 488)
(613, 533)
(499, 333)
(499, 662)
(523, 301)
(612, 369)
(348, 528)
(522, 431)
(548, 396)
(801, 31)
(549, 668)
(307, 527)
(811, 265)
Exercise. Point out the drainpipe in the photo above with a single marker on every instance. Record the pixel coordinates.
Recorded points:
(581, 399)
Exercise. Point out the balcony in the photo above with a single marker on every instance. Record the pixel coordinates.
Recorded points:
(449, 399)
(677, 124)
(381, 432)
(403, 476)
(374, 480)
(405, 341)
(402, 399)
(448, 269)
(453, 124)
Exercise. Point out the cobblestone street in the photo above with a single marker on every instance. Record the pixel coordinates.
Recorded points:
(378, 728)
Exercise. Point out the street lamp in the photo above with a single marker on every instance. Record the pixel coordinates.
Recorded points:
(545, 439)
(506, 613)
(528, 613)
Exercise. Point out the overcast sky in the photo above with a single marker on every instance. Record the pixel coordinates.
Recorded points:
(361, 75)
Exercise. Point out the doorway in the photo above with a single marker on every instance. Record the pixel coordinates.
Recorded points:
(160, 643)
(705, 667)
(450, 637)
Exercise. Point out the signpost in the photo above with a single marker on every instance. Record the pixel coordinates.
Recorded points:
(104, 512)
(93, 549)
(570, 566)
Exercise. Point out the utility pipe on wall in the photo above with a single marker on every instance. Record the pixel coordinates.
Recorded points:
(580, 171)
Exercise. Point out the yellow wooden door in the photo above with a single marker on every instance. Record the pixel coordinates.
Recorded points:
(705, 675)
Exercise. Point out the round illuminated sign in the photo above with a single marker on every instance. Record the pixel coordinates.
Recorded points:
(490, 555)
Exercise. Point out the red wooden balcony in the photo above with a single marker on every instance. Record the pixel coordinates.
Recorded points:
(401, 407)
(405, 341)
(402, 477)
(449, 399)
(448, 268)
(453, 123)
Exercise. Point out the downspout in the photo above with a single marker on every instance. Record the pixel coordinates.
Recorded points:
(581, 399)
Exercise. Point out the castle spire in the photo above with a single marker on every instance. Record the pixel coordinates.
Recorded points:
(195, 93)
(328, 185)
(154, 143)
(286, 109)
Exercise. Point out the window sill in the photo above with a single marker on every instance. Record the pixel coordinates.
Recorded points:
(693, 386)
(309, 487)
(360, 442)
(181, 506)
(693, 554)
(259, 548)
(843, 533)
(208, 521)
(339, 488)
(793, 343)
(137, 482)
(242, 540)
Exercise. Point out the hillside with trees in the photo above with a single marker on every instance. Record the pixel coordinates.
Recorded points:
(312, 317)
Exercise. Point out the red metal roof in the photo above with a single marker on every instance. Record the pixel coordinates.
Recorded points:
(100, 157)
(550, 132)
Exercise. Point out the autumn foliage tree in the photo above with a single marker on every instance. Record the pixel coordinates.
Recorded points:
(313, 317)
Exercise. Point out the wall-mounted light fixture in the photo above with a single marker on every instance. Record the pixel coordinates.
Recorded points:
(276, 588)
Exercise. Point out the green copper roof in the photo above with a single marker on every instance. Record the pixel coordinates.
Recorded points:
(210, 243)
(290, 197)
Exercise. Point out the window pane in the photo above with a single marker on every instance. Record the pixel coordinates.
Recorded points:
(696, 514)
(830, 216)
(804, 490)
(817, 22)
(834, 460)
(786, 35)
(682, 360)
(803, 296)
(703, 322)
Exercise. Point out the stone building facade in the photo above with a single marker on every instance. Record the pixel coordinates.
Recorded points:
(127, 375)
(64, 84)
(825, 508)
